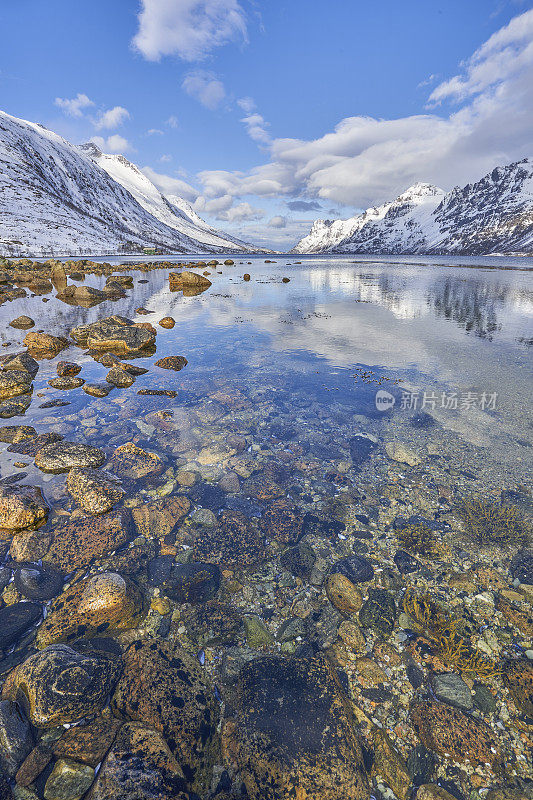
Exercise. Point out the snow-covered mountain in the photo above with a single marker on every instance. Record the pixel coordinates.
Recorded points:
(173, 211)
(494, 215)
(55, 198)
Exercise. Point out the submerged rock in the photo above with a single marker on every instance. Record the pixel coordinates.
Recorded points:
(16, 433)
(172, 362)
(21, 507)
(16, 740)
(398, 451)
(95, 492)
(157, 520)
(168, 691)
(84, 540)
(378, 612)
(97, 389)
(119, 377)
(60, 685)
(185, 583)
(130, 461)
(140, 761)
(22, 362)
(66, 383)
(69, 780)
(294, 736)
(343, 594)
(38, 581)
(14, 382)
(100, 604)
(68, 369)
(60, 457)
(235, 540)
(356, 568)
(15, 620)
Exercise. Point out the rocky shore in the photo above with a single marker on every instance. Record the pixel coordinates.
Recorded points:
(224, 589)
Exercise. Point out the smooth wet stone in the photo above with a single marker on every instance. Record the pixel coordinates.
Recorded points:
(30, 545)
(130, 461)
(97, 389)
(21, 507)
(88, 743)
(119, 377)
(293, 730)
(378, 612)
(84, 540)
(16, 433)
(356, 568)
(235, 540)
(116, 333)
(172, 362)
(32, 766)
(432, 791)
(214, 624)
(96, 492)
(186, 583)
(230, 483)
(361, 447)
(23, 322)
(61, 685)
(398, 451)
(167, 322)
(16, 739)
(69, 780)
(104, 603)
(484, 699)
(43, 345)
(282, 521)
(140, 761)
(22, 362)
(343, 594)
(257, 634)
(299, 560)
(449, 731)
(451, 688)
(38, 581)
(405, 562)
(168, 691)
(421, 764)
(14, 382)
(60, 457)
(68, 369)
(187, 279)
(390, 765)
(66, 383)
(157, 520)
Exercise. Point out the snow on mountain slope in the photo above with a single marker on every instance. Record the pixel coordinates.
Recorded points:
(172, 211)
(54, 199)
(493, 215)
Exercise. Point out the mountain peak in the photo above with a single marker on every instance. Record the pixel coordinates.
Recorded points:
(420, 191)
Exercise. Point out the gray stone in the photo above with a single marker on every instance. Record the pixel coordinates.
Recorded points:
(451, 688)
(16, 740)
(69, 780)
(63, 456)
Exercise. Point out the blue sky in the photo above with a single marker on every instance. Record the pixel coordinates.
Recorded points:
(267, 115)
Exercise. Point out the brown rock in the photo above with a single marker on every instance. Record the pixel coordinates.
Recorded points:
(43, 345)
(130, 461)
(235, 540)
(430, 791)
(390, 765)
(282, 521)
(67, 369)
(157, 520)
(172, 362)
(451, 732)
(94, 491)
(518, 677)
(23, 322)
(343, 594)
(21, 507)
(82, 541)
(88, 743)
(102, 603)
(13, 434)
(119, 377)
(168, 691)
(33, 765)
(167, 322)
(30, 545)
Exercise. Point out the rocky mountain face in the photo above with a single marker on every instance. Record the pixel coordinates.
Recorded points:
(59, 199)
(493, 215)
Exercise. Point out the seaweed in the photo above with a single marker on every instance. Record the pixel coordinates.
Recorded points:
(441, 630)
(494, 523)
(420, 540)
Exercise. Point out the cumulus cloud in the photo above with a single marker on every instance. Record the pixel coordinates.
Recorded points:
(190, 29)
(365, 161)
(240, 212)
(277, 222)
(170, 185)
(154, 132)
(172, 122)
(113, 144)
(205, 88)
(74, 107)
(247, 104)
(165, 158)
(112, 118)
(256, 128)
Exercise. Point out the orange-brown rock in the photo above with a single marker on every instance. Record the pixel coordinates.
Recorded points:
(343, 594)
(82, 541)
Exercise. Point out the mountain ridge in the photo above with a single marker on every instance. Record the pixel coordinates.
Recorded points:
(55, 199)
(492, 215)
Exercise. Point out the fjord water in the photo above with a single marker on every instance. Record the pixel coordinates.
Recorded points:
(414, 327)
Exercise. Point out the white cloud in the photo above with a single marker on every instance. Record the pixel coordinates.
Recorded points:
(505, 54)
(247, 104)
(112, 118)
(170, 185)
(165, 158)
(172, 122)
(205, 88)
(222, 208)
(241, 212)
(365, 161)
(74, 107)
(113, 144)
(190, 29)
(277, 222)
(256, 127)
